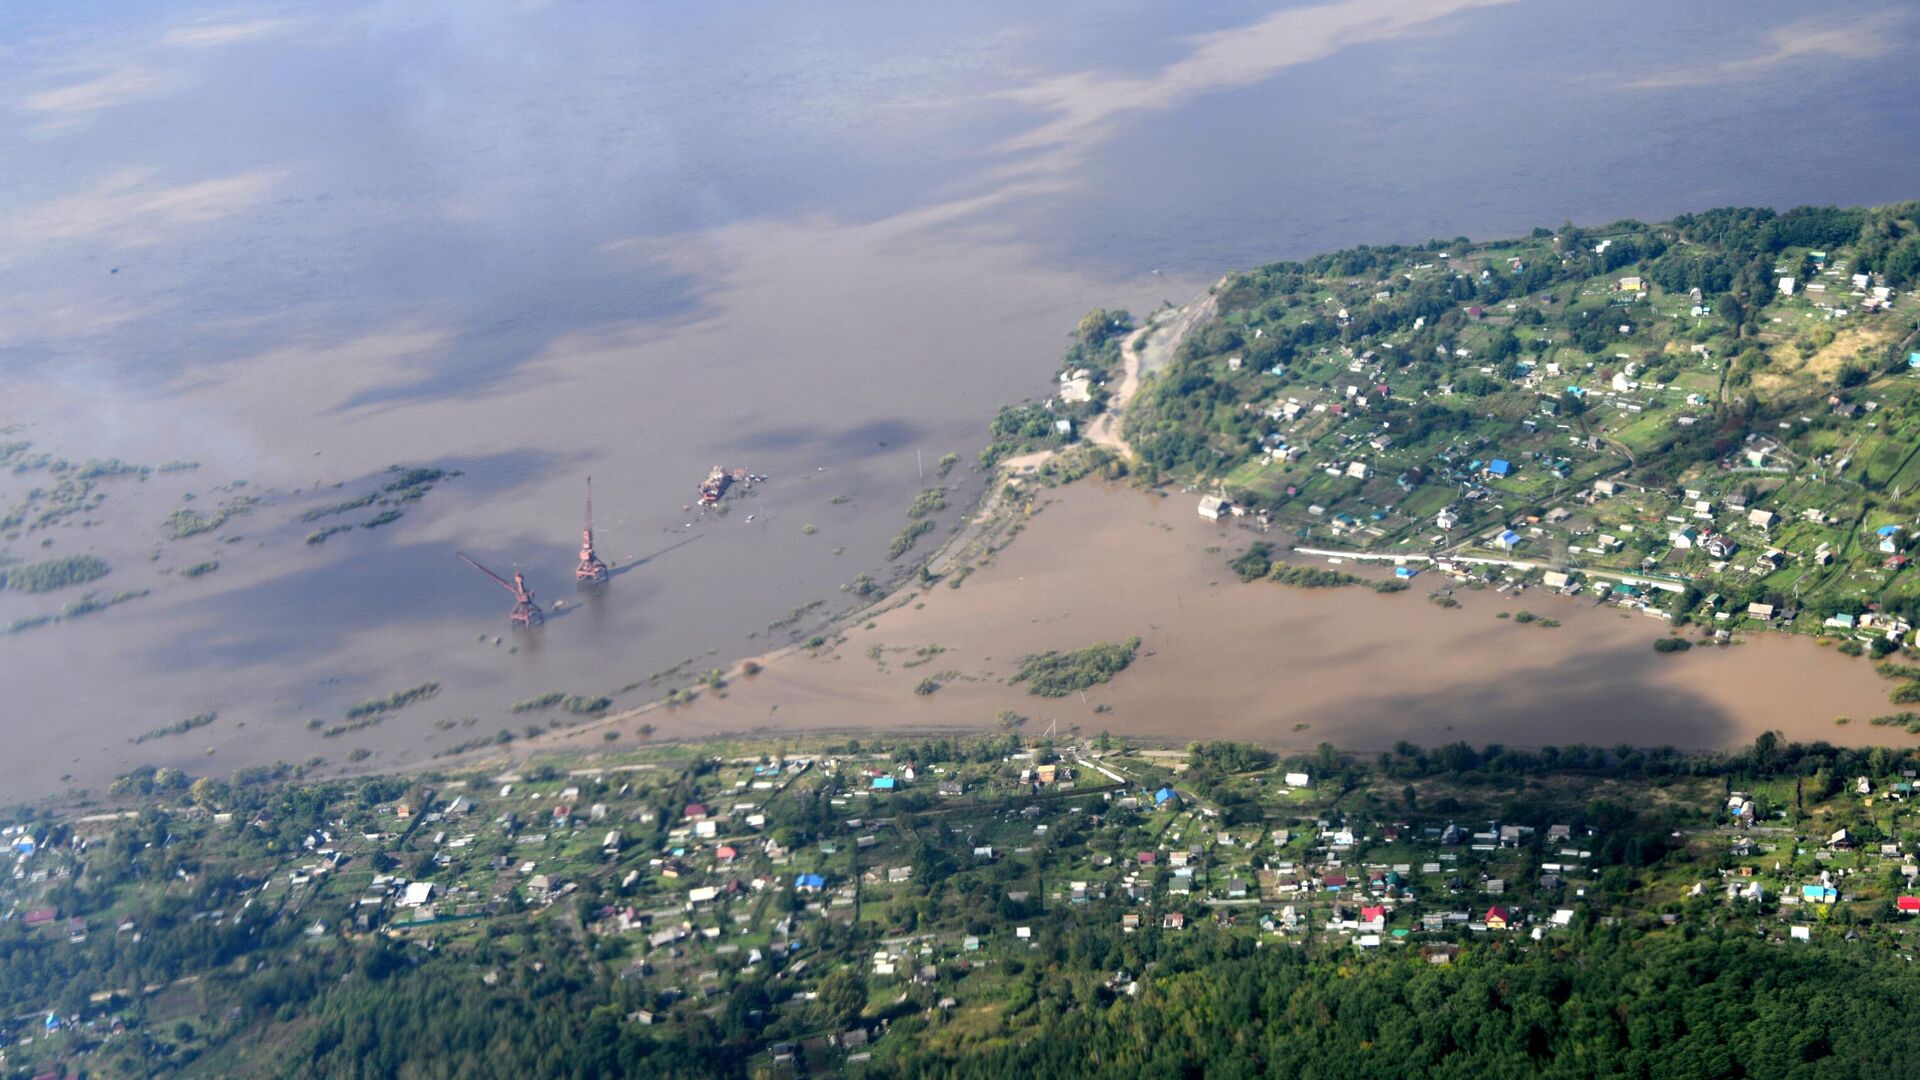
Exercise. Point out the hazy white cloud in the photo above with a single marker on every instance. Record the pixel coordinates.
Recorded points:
(1085, 109)
(1085, 104)
(1857, 38)
(211, 34)
(130, 211)
(117, 87)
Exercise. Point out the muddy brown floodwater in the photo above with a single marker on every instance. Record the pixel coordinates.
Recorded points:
(535, 242)
(1282, 666)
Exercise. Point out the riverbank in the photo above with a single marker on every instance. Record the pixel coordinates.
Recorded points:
(1284, 667)
(1288, 668)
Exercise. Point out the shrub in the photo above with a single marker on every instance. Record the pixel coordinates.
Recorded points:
(399, 699)
(178, 727)
(56, 573)
(1255, 563)
(1057, 674)
(908, 537)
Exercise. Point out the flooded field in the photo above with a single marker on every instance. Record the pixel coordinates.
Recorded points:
(532, 242)
(1288, 667)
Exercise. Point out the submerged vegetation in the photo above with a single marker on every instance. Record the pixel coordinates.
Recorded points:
(86, 605)
(909, 536)
(75, 491)
(179, 727)
(348, 506)
(1313, 577)
(186, 521)
(1057, 674)
(404, 485)
(928, 502)
(90, 603)
(399, 699)
(57, 573)
(580, 704)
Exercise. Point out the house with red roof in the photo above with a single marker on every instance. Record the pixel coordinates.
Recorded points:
(1908, 905)
(1496, 918)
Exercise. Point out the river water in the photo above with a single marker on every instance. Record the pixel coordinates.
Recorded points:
(1292, 668)
(533, 241)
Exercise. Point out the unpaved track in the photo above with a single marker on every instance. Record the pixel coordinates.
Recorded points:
(1147, 351)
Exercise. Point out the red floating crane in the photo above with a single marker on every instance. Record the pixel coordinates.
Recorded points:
(590, 568)
(525, 611)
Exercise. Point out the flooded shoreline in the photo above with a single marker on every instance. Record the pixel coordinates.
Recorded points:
(1286, 667)
(656, 245)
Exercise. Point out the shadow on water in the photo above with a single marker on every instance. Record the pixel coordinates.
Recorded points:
(317, 608)
(482, 357)
(626, 568)
(1602, 697)
(479, 476)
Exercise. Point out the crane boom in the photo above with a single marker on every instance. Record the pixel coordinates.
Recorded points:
(503, 582)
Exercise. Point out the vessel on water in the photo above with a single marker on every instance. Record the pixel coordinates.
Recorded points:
(722, 480)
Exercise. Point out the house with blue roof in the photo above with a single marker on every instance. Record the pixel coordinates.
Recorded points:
(1913, 359)
(1508, 539)
(1819, 894)
(809, 883)
(883, 783)
(1164, 796)
(1499, 467)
